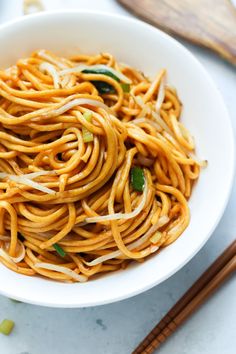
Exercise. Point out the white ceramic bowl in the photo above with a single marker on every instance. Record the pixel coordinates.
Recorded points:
(148, 49)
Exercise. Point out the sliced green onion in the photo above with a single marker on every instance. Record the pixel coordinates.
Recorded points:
(6, 327)
(125, 87)
(137, 179)
(88, 116)
(59, 250)
(87, 135)
(102, 87)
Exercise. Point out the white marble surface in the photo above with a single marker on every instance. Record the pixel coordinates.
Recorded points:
(119, 327)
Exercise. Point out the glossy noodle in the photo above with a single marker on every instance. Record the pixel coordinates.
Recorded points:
(95, 166)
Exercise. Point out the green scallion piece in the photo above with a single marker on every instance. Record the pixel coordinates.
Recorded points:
(88, 116)
(137, 178)
(102, 87)
(87, 135)
(6, 327)
(125, 87)
(59, 250)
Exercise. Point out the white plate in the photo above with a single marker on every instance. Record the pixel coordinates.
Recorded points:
(148, 49)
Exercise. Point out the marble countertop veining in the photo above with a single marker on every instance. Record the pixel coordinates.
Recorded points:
(117, 328)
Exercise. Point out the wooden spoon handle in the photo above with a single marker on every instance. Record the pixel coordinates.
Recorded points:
(209, 23)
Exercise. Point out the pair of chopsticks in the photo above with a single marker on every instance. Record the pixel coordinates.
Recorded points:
(205, 286)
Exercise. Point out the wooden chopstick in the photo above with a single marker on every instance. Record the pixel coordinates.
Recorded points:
(224, 263)
(192, 306)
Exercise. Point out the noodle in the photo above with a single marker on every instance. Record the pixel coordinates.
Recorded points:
(95, 166)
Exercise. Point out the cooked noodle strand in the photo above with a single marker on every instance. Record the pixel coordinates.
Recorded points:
(95, 166)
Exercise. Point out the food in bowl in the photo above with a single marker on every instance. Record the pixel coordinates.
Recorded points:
(96, 167)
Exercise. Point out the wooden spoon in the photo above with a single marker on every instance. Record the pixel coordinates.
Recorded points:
(209, 23)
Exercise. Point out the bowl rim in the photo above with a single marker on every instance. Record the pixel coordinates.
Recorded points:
(221, 209)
